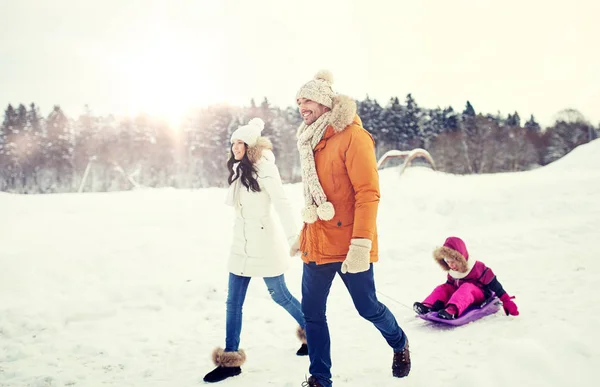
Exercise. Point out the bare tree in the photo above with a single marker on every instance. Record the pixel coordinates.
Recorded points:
(570, 130)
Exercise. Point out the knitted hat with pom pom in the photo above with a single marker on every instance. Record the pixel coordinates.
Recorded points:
(249, 133)
(318, 89)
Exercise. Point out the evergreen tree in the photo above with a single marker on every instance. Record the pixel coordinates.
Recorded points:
(285, 124)
(410, 123)
(59, 149)
(8, 128)
(392, 126)
(21, 117)
(35, 151)
(539, 140)
(87, 131)
(8, 147)
(469, 110)
(192, 142)
(268, 114)
(431, 125)
(451, 120)
(213, 127)
(532, 125)
(371, 115)
(23, 145)
(513, 120)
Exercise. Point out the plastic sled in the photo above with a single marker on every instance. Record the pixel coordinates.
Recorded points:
(473, 313)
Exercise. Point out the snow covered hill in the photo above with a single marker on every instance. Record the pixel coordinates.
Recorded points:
(128, 289)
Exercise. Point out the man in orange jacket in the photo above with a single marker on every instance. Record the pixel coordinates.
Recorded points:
(341, 195)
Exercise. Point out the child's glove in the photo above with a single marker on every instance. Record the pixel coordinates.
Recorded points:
(509, 306)
(294, 243)
(358, 258)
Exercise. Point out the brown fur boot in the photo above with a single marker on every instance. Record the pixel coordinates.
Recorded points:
(301, 334)
(228, 365)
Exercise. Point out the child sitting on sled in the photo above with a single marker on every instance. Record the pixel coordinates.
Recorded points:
(469, 282)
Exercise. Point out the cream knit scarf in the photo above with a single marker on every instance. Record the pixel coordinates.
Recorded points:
(316, 204)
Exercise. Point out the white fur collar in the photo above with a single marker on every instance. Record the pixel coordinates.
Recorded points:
(458, 275)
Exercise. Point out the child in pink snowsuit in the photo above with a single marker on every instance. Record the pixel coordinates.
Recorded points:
(469, 282)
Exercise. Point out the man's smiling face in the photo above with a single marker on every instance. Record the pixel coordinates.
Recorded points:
(310, 110)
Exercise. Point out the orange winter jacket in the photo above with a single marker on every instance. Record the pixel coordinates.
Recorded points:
(347, 169)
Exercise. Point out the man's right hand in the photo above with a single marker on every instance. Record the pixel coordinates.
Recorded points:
(358, 258)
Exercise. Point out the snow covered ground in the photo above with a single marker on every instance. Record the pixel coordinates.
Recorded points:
(128, 289)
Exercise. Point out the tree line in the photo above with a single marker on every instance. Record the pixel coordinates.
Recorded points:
(93, 153)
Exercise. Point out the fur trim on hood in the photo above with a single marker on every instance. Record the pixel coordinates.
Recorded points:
(342, 113)
(441, 252)
(255, 152)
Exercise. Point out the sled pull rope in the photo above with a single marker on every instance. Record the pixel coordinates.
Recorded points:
(396, 301)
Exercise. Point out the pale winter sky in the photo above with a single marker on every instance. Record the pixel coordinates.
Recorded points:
(125, 56)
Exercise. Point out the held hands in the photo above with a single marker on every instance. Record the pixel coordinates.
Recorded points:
(509, 306)
(358, 258)
(294, 243)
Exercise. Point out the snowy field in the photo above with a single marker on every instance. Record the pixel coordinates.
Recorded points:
(128, 289)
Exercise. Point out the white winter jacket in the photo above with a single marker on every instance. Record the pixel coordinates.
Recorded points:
(258, 248)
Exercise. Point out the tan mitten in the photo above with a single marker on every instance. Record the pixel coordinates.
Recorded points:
(358, 258)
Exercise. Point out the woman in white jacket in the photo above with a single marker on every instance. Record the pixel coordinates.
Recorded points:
(258, 248)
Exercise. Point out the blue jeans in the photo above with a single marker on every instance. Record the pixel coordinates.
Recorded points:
(236, 294)
(316, 283)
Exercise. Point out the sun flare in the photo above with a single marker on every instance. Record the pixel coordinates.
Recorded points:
(166, 80)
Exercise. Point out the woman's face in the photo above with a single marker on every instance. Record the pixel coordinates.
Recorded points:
(239, 149)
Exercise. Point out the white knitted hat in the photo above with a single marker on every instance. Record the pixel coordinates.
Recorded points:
(249, 133)
(318, 89)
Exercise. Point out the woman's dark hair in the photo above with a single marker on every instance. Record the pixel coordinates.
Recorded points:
(245, 171)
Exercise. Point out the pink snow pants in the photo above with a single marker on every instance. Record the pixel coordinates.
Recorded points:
(467, 294)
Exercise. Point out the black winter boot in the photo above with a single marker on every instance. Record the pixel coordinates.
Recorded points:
(450, 313)
(311, 382)
(421, 308)
(228, 365)
(303, 350)
(401, 362)
(221, 373)
(437, 306)
(301, 334)
(444, 314)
